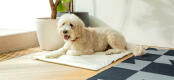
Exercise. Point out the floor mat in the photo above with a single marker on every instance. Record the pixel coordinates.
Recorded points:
(93, 62)
(156, 64)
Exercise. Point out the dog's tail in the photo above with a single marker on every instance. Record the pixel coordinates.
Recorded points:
(137, 50)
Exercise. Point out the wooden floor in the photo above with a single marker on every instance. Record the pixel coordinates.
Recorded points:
(20, 65)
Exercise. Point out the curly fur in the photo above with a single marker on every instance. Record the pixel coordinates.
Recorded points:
(80, 40)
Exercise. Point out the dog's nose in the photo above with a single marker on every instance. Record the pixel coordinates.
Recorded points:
(65, 31)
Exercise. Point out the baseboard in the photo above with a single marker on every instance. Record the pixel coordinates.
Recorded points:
(18, 41)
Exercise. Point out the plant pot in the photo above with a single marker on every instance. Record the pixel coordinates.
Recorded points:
(82, 15)
(47, 34)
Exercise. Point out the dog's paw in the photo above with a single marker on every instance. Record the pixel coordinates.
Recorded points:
(73, 53)
(139, 50)
(113, 51)
(51, 56)
(108, 53)
(55, 54)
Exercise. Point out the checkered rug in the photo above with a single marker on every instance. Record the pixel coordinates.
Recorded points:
(156, 64)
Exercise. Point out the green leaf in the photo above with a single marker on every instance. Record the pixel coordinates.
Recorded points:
(61, 7)
(66, 1)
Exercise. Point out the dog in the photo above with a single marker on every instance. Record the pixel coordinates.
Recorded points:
(80, 40)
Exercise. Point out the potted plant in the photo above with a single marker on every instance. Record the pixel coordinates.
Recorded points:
(47, 34)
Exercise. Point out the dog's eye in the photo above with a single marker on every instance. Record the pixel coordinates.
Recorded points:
(71, 25)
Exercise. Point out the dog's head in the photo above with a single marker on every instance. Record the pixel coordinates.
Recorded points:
(70, 27)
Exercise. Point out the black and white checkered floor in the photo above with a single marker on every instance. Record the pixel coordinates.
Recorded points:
(157, 64)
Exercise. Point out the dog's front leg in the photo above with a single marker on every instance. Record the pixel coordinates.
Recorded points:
(74, 52)
(79, 52)
(56, 53)
(59, 52)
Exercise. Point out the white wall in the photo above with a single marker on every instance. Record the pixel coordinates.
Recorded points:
(149, 22)
(102, 11)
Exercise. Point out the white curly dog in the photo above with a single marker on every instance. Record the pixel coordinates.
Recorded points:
(80, 40)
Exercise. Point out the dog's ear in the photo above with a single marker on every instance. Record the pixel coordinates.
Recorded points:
(79, 22)
(81, 28)
(59, 23)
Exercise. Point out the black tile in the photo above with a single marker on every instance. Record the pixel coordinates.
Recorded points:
(159, 68)
(172, 61)
(114, 73)
(154, 49)
(130, 60)
(169, 53)
(148, 57)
